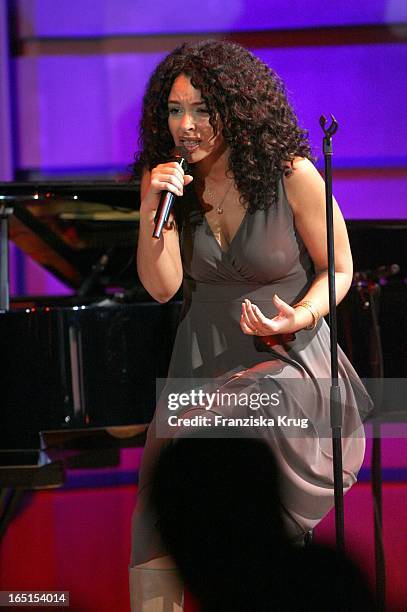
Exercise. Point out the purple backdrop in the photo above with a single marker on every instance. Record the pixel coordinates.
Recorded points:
(84, 111)
(109, 17)
(77, 110)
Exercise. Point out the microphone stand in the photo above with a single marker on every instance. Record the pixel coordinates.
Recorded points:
(335, 392)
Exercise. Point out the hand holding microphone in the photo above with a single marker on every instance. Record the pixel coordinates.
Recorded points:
(170, 179)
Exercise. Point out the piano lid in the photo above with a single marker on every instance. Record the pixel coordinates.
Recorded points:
(68, 227)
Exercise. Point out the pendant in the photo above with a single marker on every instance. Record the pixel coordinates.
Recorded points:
(219, 210)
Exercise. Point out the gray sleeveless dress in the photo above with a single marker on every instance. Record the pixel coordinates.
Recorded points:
(266, 256)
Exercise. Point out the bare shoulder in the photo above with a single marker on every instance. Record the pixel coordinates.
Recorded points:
(301, 168)
(304, 185)
(305, 190)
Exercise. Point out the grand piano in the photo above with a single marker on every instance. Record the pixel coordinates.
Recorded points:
(79, 371)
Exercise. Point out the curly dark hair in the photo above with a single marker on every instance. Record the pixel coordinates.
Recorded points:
(258, 124)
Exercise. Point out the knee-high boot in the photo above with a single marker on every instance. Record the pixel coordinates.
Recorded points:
(155, 586)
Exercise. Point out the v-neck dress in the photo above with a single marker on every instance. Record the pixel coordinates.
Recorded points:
(265, 257)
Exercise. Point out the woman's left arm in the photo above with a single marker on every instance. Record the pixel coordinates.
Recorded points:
(305, 191)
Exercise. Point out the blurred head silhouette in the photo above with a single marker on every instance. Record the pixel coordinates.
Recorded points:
(219, 512)
(220, 517)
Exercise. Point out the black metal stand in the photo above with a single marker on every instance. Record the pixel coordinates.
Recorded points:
(335, 393)
(380, 559)
(5, 212)
(376, 359)
(369, 290)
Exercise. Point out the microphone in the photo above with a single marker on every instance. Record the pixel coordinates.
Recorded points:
(180, 155)
(92, 281)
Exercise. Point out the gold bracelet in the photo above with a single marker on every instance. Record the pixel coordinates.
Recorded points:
(314, 313)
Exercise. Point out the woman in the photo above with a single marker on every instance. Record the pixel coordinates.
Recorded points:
(247, 240)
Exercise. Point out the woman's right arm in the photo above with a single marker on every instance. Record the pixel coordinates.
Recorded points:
(159, 263)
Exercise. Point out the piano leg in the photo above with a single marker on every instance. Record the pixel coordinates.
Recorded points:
(9, 502)
(22, 471)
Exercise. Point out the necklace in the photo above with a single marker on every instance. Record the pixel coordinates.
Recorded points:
(212, 196)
